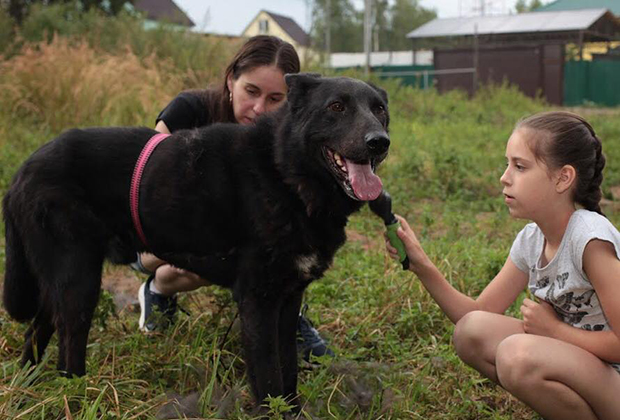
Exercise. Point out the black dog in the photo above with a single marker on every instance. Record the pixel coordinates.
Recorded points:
(259, 209)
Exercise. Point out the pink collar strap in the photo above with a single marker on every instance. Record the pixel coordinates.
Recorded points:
(134, 193)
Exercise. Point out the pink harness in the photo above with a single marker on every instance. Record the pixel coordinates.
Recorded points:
(134, 193)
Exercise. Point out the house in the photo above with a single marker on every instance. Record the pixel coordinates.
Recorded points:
(157, 12)
(591, 50)
(528, 50)
(555, 6)
(269, 23)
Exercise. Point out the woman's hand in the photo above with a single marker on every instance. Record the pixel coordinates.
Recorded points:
(417, 256)
(539, 318)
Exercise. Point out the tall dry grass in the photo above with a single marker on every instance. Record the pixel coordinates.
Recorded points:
(48, 87)
(66, 85)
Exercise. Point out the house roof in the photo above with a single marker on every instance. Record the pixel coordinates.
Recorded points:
(163, 10)
(291, 27)
(537, 22)
(611, 5)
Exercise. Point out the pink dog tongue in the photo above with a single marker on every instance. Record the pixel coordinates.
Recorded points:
(366, 185)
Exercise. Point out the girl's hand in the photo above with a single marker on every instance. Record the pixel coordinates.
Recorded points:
(417, 256)
(539, 318)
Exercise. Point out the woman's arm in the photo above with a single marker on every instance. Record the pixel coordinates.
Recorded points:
(162, 127)
(496, 297)
(150, 261)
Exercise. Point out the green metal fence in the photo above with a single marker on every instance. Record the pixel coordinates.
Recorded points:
(592, 82)
(419, 75)
(596, 82)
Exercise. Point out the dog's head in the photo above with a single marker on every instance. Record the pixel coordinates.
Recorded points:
(343, 123)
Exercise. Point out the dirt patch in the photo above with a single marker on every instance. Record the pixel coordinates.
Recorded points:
(366, 243)
(615, 192)
(123, 284)
(361, 382)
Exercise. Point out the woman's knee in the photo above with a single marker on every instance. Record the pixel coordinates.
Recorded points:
(516, 361)
(171, 274)
(469, 334)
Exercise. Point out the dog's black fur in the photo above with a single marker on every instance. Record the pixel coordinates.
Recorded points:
(259, 209)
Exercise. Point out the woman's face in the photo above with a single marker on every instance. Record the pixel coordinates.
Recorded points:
(259, 90)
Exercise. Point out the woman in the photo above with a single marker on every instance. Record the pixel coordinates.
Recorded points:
(253, 84)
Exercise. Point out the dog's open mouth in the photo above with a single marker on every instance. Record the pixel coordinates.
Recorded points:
(358, 180)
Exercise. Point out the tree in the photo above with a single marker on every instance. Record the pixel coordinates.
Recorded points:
(393, 20)
(346, 25)
(406, 15)
(522, 6)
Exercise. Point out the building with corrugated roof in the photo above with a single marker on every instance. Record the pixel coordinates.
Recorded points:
(591, 49)
(527, 49)
(612, 5)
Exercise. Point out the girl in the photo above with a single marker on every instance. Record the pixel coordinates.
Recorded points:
(563, 358)
(253, 84)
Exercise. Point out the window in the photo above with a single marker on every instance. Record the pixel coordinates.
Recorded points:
(263, 26)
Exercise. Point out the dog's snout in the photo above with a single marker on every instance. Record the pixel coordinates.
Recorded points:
(377, 143)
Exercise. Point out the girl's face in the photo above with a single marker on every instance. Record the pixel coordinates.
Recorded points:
(256, 91)
(529, 185)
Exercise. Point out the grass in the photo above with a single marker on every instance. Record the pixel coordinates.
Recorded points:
(395, 359)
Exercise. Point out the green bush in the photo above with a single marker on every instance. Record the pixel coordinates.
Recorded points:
(7, 28)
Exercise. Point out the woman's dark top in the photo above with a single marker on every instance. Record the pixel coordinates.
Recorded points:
(188, 110)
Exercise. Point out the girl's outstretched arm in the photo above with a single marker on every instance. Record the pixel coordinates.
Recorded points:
(496, 297)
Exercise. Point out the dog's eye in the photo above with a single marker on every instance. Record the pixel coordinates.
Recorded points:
(336, 107)
(380, 110)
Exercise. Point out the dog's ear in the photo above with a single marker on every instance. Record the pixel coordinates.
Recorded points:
(380, 91)
(299, 84)
(300, 79)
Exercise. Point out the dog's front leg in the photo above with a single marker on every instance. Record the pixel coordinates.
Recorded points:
(37, 338)
(259, 323)
(289, 317)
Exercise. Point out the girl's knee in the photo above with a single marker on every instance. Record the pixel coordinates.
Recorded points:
(469, 334)
(516, 362)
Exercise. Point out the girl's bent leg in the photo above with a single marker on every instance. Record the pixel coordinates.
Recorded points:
(557, 379)
(477, 336)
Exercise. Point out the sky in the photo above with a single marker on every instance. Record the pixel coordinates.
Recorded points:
(232, 16)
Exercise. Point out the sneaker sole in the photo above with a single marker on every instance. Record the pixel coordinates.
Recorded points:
(141, 323)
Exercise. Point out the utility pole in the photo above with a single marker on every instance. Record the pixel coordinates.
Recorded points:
(476, 61)
(367, 34)
(328, 35)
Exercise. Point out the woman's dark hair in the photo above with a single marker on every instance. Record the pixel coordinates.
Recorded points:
(261, 50)
(563, 138)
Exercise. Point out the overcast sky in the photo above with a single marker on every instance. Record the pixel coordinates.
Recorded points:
(232, 16)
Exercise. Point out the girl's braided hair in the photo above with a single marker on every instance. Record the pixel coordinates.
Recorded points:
(563, 138)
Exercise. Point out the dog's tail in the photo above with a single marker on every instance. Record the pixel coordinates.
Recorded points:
(20, 294)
